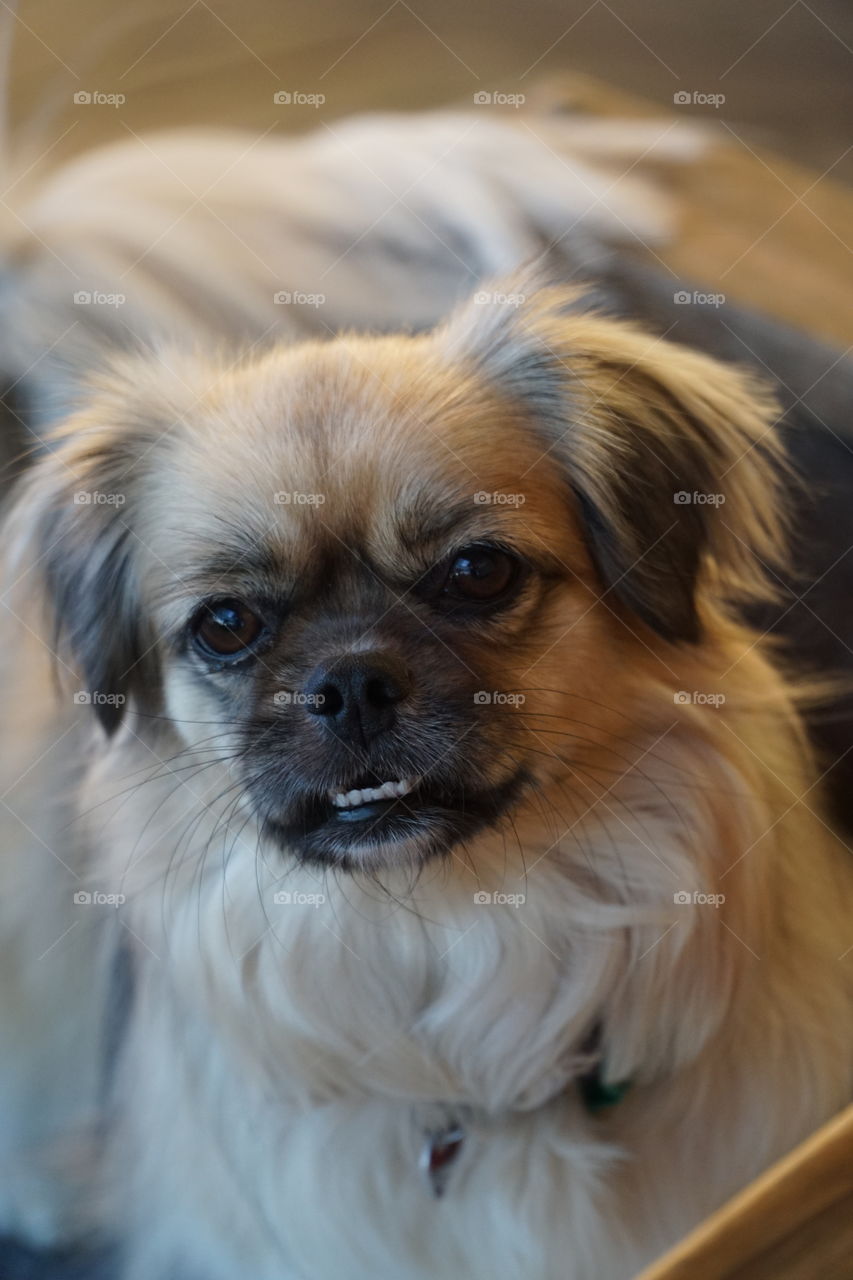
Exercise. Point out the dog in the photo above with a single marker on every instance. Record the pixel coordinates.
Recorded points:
(412, 754)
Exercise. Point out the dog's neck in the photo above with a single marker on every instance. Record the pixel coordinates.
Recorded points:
(412, 987)
(445, 1134)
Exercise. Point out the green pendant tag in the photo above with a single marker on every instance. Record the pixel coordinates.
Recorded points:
(598, 1096)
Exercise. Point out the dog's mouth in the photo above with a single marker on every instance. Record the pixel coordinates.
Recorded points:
(360, 804)
(377, 819)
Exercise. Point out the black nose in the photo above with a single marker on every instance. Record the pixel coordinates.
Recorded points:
(358, 694)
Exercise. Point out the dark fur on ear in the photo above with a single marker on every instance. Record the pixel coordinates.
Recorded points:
(669, 456)
(73, 527)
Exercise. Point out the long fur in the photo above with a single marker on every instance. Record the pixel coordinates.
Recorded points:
(379, 222)
(283, 1059)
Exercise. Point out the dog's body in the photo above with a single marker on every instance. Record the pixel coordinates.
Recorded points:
(274, 1112)
(380, 222)
(606, 859)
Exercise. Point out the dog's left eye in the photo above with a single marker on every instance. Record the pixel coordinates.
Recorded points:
(225, 628)
(475, 576)
(480, 573)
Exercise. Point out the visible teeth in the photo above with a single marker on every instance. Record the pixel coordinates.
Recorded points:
(388, 791)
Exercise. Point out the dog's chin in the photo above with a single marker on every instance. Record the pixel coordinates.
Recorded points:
(426, 822)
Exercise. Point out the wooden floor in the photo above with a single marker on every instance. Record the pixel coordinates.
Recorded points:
(765, 220)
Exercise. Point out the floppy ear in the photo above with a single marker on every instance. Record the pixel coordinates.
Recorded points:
(670, 456)
(73, 529)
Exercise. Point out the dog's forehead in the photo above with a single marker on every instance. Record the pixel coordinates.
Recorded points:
(378, 448)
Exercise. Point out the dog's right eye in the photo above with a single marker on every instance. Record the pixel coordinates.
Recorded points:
(225, 629)
(475, 580)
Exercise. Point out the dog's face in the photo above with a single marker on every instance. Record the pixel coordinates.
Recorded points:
(348, 599)
(399, 586)
(325, 578)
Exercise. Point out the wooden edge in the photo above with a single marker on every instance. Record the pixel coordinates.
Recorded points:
(812, 1177)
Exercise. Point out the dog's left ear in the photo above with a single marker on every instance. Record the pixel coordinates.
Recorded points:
(669, 456)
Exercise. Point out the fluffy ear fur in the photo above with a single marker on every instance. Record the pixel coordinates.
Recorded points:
(73, 526)
(669, 455)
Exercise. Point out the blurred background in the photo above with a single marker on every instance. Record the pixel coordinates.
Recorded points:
(785, 68)
(768, 219)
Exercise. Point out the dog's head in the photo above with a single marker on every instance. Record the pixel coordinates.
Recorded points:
(398, 584)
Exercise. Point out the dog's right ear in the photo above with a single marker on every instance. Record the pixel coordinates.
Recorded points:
(74, 530)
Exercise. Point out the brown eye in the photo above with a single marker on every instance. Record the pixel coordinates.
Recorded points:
(480, 573)
(226, 628)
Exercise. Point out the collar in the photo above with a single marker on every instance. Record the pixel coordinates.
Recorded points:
(442, 1146)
